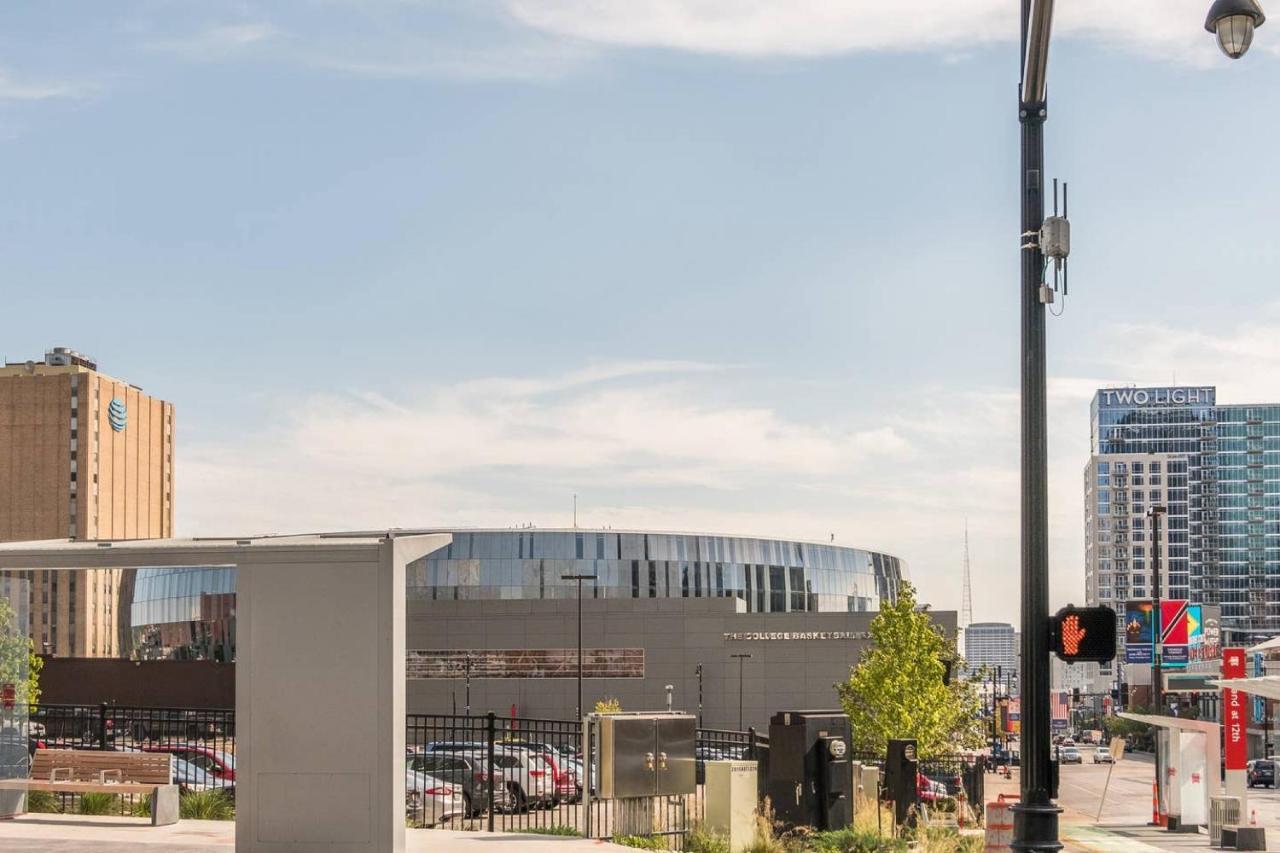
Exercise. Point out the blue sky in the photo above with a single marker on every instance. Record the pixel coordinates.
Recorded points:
(711, 265)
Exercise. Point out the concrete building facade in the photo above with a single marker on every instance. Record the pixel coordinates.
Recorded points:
(990, 645)
(82, 456)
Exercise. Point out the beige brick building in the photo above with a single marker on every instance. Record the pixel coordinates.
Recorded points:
(82, 456)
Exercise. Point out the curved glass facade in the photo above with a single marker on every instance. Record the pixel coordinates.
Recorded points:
(184, 614)
(767, 575)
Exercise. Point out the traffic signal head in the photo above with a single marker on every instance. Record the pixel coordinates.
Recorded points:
(1085, 634)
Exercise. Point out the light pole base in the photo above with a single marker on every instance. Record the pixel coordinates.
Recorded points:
(1035, 827)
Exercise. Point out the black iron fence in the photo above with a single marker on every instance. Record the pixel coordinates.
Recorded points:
(528, 775)
(202, 742)
(957, 777)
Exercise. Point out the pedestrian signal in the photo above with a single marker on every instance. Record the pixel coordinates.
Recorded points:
(1085, 634)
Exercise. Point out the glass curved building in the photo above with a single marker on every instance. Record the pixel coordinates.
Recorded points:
(766, 575)
(190, 613)
(184, 614)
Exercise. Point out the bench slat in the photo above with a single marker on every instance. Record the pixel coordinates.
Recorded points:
(148, 768)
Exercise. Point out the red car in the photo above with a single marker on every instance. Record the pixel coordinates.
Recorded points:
(220, 765)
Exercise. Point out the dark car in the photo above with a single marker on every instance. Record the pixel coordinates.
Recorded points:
(466, 771)
(1261, 772)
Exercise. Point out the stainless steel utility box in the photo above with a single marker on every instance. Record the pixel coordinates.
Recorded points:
(647, 755)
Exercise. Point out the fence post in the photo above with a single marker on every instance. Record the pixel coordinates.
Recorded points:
(102, 726)
(751, 743)
(490, 731)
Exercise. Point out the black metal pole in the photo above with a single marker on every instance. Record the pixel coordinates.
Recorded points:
(579, 715)
(699, 695)
(1157, 665)
(579, 579)
(742, 657)
(1035, 815)
(468, 702)
(1157, 632)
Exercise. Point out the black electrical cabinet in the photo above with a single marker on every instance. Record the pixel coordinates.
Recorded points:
(901, 772)
(810, 779)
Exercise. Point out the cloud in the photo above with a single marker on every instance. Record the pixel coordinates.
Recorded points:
(15, 89)
(677, 446)
(817, 28)
(216, 41)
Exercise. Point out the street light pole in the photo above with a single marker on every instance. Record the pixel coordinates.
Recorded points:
(741, 656)
(1035, 815)
(699, 671)
(1157, 662)
(579, 579)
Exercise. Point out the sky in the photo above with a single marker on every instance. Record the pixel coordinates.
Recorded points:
(710, 265)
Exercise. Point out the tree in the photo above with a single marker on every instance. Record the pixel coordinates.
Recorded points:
(19, 664)
(897, 689)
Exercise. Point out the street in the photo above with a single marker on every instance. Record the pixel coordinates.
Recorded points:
(1128, 805)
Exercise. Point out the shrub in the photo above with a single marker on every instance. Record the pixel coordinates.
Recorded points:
(206, 805)
(608, 705)
(702, 840)
(141, 807)
(640, 842)
(99, 803)
(42, 802)
(558, 829)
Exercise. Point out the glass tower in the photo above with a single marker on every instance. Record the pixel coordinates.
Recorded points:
(1216, 468)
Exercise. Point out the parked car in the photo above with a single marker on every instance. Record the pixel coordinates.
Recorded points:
(430, 801)
(950, 780)
(928, 790)
(524, 776)
(1102, 755)
(221, 765)
(465, 770)
(568, 788)
(1261, 771)
(1070, 755)
(189, 777)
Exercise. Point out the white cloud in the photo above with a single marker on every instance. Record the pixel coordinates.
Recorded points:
(16, 89)
(659, 445)
(813, 28)
(216, 41)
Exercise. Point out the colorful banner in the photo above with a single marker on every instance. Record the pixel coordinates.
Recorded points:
(1138, 622)
(1233, 704)
(1139, 629)
(1173, 621)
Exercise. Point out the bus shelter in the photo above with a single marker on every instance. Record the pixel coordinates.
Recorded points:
(320, 675)
(1188, 760)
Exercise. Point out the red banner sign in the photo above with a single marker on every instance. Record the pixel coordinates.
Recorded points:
(1235, 711)
(1173, 620)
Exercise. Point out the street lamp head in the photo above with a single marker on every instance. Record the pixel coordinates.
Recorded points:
(1234, 21)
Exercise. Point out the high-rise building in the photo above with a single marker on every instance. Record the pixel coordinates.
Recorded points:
(82, 456)
(990, 645)
(1216, 470)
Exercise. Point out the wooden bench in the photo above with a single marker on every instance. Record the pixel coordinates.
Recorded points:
(80, 771)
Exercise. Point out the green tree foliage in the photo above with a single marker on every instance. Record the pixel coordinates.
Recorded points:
(897, 689)
(19, 664)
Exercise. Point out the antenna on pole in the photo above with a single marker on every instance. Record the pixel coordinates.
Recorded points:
(575, 511)
(966, 605)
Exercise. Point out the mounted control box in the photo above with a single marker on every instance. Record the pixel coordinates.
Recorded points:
(647, 755)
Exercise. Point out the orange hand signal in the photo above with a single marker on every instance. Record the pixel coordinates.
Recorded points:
(1072, 634)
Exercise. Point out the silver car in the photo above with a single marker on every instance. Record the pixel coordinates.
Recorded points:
(429, 800)
(524, 775)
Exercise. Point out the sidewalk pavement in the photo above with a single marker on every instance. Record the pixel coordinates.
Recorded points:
(56, 833)
(1136, 839)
